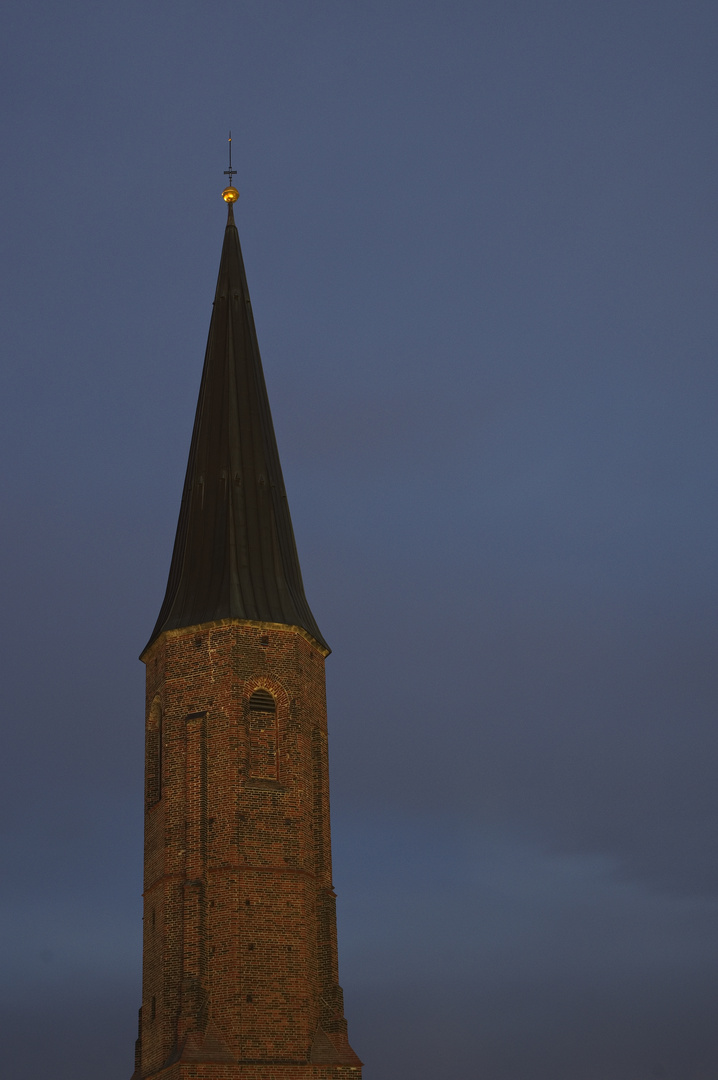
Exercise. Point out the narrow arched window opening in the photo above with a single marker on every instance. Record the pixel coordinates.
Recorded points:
(262, 701)
(263, 735)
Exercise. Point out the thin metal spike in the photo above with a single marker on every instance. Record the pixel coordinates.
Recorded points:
(230, 172)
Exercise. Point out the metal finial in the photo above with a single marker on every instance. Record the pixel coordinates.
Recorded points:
(230, 194)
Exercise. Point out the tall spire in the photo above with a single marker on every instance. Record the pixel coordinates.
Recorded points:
(234, 555)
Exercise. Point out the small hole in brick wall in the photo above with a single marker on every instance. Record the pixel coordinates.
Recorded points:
(289, 948)
(197, 642)
(249, 997)
(251, 947)
(248, 902)
(265, 639)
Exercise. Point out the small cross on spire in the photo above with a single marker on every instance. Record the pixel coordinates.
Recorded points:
(230, 172)
(230, 194)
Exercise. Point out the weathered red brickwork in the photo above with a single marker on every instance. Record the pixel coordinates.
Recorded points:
(240, 956)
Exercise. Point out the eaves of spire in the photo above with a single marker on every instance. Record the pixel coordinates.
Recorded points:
(234, 555)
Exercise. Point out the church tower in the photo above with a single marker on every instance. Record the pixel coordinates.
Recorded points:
(239, 978)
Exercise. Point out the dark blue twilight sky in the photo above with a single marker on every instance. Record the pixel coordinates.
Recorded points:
(481, 245)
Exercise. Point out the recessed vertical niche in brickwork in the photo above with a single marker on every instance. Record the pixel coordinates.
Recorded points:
(153, 754)
(263, 736)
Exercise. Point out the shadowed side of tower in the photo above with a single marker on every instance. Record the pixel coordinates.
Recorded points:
(240, 974)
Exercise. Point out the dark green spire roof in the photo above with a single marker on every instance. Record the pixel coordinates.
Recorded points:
(234, 555)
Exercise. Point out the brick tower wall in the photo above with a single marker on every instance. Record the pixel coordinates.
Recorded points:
(240, 956)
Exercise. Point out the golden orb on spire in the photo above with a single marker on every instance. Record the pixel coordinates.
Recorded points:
(230, 194)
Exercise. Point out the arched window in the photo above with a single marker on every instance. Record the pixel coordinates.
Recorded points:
(153, 754)
(263, 736)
